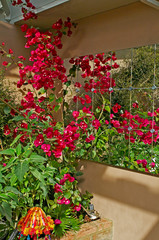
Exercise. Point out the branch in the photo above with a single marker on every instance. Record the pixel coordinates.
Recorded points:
(2, 100)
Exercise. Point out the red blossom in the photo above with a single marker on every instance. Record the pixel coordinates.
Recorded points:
(152, 164)
(39, 140)
(96, 123)
(57, 188)
(5, 63)
(57, 221)
(46, 147)
(7, 131)
(116, 107)
(10, 51)
(90, 138)
(75, 114)
(77, 207)
(135, 105)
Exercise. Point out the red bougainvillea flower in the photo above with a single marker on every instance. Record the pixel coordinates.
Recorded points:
(111, 116)
(115, 123)
(46, 147)
(68, 177)
(5, 63)
(22, 58)
(24, 27)
(144, 163)
(135, 105)
(77, 207)
(75, 114)
(39, 140)
(139, 161)
(78, 85)
(57, 188)
(24, 125)
(116, 107)
(96, 123)
(49, 132)
(7, 131)
(88, 99)
(10, 51)
(152, 164)
(83, 125)
(90, 138)
(67, 201)
(57, 221)
(61, 200)
(62, 181)
(29, 97)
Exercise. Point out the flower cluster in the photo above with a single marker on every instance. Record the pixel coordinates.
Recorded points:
(96, 72)
(27, 9)
(58, 188)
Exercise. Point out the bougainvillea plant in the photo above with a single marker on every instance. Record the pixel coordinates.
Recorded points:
(33, 169)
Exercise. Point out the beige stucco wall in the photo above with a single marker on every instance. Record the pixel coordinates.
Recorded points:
(129, 26)
(14, 39)
(130, 199)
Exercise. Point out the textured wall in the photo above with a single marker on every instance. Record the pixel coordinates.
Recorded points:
(125, 27)
(128, 198)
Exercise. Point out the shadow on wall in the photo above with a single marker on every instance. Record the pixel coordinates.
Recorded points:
(129, 188)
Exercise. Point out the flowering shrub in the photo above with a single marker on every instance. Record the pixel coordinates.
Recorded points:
(113, 134)
(34, 172)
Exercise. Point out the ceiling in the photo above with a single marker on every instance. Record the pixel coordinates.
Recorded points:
(76, 9)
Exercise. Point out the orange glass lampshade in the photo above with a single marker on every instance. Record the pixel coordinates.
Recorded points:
(35, 223)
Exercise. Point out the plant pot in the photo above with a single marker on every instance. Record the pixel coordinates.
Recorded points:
(101, 229)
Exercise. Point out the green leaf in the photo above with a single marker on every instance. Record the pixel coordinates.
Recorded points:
(9, 64)
(59, 100)
(93, 153)
(10, 162)
(7, 211)
(3, 228)
(4, 196)
(7, 109)
(44, 188)
(18, 118)
(38, 175)
(19, 149)
(27, 153)
(9, 55)
(13, 179)
(107, 108)
(21, 169)
(68, 83)
(1, 178)
(16, 139)
(12, 189)
(67, 195)
(2, 211)
(51, 97)
(57, 108)
(13, 196)
(9, 151)
(37, 158)
(42, 90)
